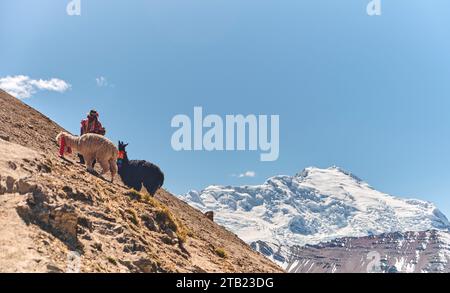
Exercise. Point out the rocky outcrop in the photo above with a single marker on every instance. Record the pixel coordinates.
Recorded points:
(60, 220)
(10, 184)
(3, 188)
(210, 215)
(4, 136)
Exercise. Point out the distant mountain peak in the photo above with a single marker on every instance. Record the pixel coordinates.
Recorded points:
(313, 206)
(333, 170)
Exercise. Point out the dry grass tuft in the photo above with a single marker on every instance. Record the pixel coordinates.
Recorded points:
(163, 215)
(221, 252)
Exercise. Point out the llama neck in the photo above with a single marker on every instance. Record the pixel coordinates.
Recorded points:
(72, 141)
(123, 166)
(125, 159)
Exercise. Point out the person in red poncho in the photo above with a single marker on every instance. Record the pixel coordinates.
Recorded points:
(91, 125)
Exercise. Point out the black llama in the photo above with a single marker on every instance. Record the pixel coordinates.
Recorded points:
(136, 173)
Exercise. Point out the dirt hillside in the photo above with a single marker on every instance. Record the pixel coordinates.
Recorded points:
(56, 217)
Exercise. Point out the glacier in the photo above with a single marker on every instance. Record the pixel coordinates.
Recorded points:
(314, 206)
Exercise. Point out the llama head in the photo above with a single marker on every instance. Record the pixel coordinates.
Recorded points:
(63, 147)
(122, 146)
(122, 157)
(59, 137)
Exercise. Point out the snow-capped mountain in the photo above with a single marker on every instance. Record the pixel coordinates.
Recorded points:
(316, 205)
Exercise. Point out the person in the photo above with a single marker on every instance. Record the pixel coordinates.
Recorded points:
(91, 125)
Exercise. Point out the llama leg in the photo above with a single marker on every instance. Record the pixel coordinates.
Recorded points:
(135, 185)
(151, 186)
(105, 167)
(113, 168)
(81, 159)
(89, 160)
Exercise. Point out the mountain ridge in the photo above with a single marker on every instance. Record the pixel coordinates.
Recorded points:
(398, 252)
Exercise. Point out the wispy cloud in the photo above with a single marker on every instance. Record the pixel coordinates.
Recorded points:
(103, 82)
(22, 86)
(248, 174)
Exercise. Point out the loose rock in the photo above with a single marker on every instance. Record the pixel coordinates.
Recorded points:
(10, 184)
(210, 215)
(24, 187)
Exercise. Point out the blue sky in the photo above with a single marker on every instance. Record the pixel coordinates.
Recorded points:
(369, 94)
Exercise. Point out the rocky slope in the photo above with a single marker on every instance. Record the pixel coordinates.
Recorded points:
(56, 217)
(404, 252)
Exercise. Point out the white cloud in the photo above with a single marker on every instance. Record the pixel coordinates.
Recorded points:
(101, 81)
(22, 86)
(248, 174)
(54, 84)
